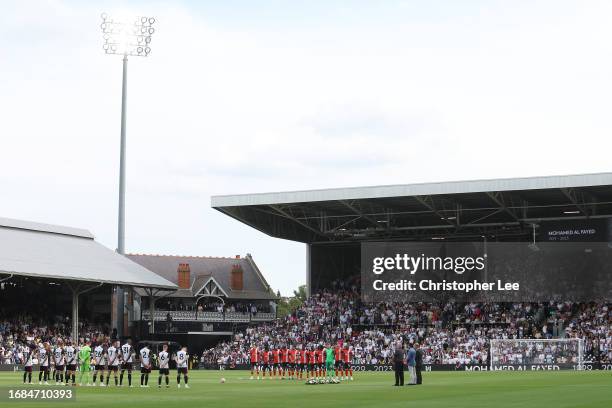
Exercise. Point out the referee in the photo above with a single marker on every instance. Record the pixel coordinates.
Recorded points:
(398, 364)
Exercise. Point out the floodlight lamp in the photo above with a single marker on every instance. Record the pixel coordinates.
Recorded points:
(123, 37)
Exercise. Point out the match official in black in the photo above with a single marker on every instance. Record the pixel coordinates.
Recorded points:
(419, 363)
(398, 364)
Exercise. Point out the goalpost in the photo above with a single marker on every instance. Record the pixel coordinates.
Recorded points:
(541, 353)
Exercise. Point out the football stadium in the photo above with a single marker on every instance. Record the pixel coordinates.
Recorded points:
(207, 330)
(288, 243)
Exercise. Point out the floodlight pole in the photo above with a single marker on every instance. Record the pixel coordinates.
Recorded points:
(121, 229)
(120, 38)
(119, 293)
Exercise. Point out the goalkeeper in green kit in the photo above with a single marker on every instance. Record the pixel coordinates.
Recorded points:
(329, 362)
(85, 360)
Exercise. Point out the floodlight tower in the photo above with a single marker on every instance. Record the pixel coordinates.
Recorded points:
(126, 38)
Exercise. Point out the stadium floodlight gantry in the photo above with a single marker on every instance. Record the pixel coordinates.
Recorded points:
(126, 37)
(333, 222)
(68, 256)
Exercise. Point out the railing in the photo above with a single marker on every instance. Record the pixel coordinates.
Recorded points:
(192, 316)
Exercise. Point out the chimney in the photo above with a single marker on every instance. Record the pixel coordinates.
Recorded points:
(236, 281)
(184, 278)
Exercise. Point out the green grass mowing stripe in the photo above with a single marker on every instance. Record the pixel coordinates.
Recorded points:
(566, 389)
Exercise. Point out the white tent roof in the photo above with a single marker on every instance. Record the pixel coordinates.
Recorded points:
(57, 252)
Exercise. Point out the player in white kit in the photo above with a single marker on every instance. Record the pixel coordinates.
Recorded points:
(112, 356)
(182, 359)
(44, 357)
(99, 354)
(71, 362)
(27, 354)
(58, 357)
(145, 366)
(163, 359)
(127, 356)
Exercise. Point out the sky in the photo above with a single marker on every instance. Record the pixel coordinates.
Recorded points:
(258, 96)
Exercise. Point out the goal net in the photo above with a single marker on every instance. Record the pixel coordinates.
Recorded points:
(536, 354)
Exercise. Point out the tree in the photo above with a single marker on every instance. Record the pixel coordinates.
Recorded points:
(287, 305)
(300, 293)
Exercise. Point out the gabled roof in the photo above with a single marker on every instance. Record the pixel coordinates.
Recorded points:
(58, 252)
(204, 268)
(198, 287)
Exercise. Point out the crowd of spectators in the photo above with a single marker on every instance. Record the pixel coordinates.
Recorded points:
(18, 333)
(449, 333)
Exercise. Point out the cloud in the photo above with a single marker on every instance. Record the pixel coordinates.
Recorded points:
(270, 97)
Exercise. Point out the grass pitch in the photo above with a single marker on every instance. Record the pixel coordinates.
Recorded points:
(440, 389)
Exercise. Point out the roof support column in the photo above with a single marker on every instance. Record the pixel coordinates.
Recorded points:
(154, 295)
(75, 317)
(152, 312)
(308, 271)
(117, 310)
(78, 289)
(152, 299)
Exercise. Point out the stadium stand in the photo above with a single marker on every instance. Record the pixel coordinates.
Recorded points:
(449, 333)
(335, 223)
(18, 334)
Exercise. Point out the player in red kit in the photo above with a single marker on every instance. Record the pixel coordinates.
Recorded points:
(321, 362)
(317, 354)
(311, 362)
(275, 362)
(305, 355)
(291, 363)
(338, 358)
(254, 357)
(303, 361)
(298, 364)
(266, 357)
(348, 356)
(283, 357)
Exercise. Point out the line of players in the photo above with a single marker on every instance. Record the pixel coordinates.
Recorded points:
(316, 362)
(60, 362)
